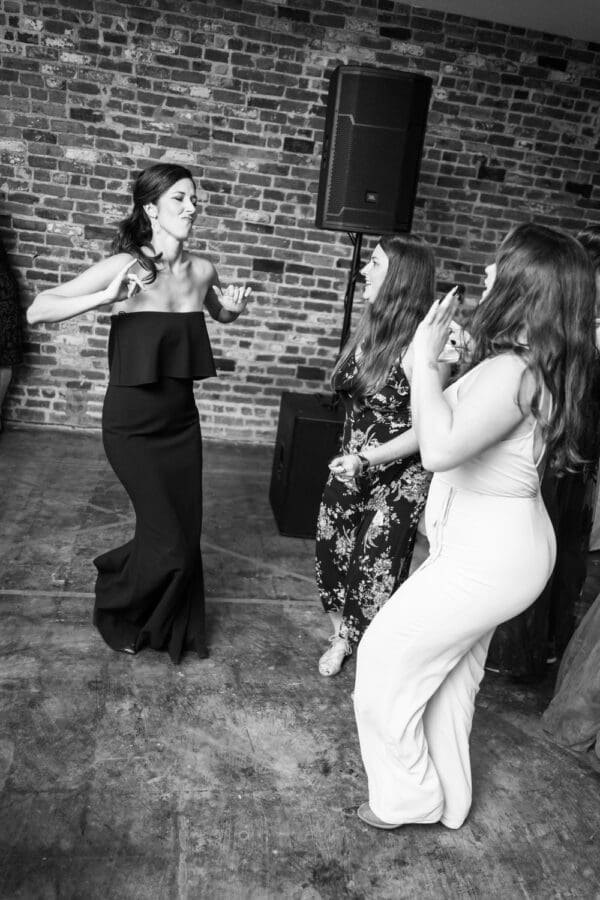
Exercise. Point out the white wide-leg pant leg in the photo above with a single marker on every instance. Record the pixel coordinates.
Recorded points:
(417, 649)
(447, 722)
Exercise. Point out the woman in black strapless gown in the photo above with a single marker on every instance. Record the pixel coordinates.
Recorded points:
(150, 591)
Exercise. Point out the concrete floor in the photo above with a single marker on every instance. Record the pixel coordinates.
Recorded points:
(236, 776)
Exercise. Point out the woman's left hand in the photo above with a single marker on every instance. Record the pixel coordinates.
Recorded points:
(234, 298)
(346, 467)
(432, 334)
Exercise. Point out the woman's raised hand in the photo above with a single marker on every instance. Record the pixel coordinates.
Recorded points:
(234, 298)
(432, 334)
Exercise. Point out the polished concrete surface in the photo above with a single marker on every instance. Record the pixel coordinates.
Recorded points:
(237, 776)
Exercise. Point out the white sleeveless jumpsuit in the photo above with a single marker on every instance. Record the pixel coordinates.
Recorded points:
(420, 662)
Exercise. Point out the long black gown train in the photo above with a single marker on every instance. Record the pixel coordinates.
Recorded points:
(150, 591)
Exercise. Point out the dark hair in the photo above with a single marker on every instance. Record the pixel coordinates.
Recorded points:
(590, 239)
(388, 324)
(135, 231)
(541, 307)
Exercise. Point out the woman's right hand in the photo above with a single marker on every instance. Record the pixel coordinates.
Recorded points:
(114, 290)
(346, 467)
(433, 331)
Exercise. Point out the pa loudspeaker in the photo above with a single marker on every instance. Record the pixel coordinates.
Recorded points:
(309, 434)
(372, 146)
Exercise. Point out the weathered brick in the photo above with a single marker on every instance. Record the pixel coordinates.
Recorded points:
(298, 145)
(90, 99)
(552, 62)
(274, 266)
(310, 373)
(491, 173)
(575, 187)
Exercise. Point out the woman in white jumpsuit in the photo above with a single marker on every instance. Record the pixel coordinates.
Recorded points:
(492, 546)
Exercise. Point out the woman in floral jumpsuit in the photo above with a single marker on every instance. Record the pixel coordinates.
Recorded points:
(374, 496)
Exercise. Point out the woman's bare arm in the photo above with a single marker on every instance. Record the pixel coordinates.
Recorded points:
(488, 410)
(101, 284)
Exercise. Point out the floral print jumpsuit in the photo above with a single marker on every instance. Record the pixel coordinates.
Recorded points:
(366, 528)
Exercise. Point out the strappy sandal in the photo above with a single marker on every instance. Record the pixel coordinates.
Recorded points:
(331, 661)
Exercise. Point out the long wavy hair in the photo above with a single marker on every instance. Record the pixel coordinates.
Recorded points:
(388, 324)
(135, 231)
(589, 238)
(541, 307)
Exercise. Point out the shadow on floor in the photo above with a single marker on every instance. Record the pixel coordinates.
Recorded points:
(237, 776)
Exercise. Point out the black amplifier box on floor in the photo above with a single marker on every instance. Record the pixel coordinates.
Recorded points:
(308, 436)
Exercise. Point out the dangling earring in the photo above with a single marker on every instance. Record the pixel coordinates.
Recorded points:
(156, 227)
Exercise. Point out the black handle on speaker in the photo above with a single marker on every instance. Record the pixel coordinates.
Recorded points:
(279, 457)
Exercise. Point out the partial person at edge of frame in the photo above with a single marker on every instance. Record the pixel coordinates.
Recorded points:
(519, 404)
(573, 717)
(590, 239)
(150, 592)
(11, 339)
(374, 496)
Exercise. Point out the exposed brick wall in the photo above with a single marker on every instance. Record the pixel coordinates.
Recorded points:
(93, 90)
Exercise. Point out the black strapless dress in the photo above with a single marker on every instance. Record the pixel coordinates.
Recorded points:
(150, 591)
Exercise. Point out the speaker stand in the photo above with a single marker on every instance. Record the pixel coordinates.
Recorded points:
(356, 239)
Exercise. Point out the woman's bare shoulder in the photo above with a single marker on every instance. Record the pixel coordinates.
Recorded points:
(503, 372)
(509, 360)
(504, 365)
(203, 268)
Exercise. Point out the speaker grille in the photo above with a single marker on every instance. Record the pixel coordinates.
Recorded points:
(308, 435)
(372, 147)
